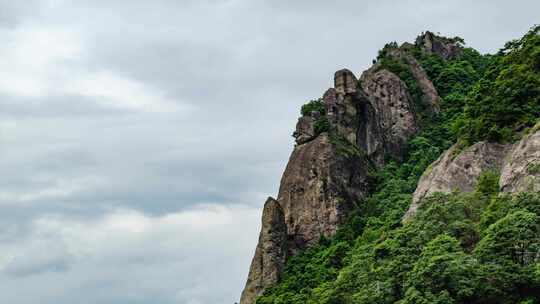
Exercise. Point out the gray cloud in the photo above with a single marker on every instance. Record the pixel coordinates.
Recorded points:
(156, 108)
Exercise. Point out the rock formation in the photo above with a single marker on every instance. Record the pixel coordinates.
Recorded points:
(318, 189)
(393, 113)
(430, 96)
(269, 258)
(457, 170)
(444, 47)
(519, 165)
(355, 125)
(521, 171)
(327, 173)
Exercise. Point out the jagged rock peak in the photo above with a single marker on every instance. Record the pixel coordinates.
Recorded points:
(345, 82)
(447, 48)
(270, 254)
(318, 190)
(305, 129)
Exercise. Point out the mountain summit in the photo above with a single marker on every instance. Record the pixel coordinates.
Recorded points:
(362, 156)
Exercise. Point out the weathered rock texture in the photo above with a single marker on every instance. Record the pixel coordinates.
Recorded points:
(519, 165)
(430, 97)
(393, 113)
(433, 44)
(377, 117)
(318, 189)
(267, 264)
(456, 170)
(305, 130)
(327, 173)
(521, 171)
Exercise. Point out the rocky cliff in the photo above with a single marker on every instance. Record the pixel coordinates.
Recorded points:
(367, 122)
(365, 146)
(355, 128)
(518, 164)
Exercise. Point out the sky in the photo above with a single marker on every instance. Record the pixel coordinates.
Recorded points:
(139, 139)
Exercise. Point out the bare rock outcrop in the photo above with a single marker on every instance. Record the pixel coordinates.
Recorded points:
(519, 165)
(521, 171)
(345, 82)
(342, 111)
(270, 254)
(445, 47)
(318, 189)
(393, 110)
(455, 170)
(430, 96)
(327, 173)
(320, 186)
(305, 129)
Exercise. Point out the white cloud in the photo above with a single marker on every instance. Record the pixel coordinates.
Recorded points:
(54, 188)
(199, 255)
(30, 58)
(161, 105)
(40, 62)
(116, 91)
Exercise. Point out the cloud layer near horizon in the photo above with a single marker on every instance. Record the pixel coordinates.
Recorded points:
(138, 140)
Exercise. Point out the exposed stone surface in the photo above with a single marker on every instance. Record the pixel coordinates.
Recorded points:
(345, 82)
(270, 254)
(318, 189)
(433, 44)
(519, 165)
(322, 181)
(321, 184)
(393, 109)
(304, 129)
(521, 171)
(342, 112)
(458, 172)
(430, 96)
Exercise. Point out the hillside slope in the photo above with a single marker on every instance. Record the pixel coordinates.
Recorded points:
(336, 232)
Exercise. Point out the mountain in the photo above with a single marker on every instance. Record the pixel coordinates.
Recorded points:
(417, 182)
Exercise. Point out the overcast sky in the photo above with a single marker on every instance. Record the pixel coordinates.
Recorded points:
(139, 139)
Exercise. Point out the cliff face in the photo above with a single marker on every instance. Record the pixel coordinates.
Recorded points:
(327, 173)
(521, 170)
(390, 120)
(267, 263)
(444, 47)
(430, 95)
(351, 149)
(519, 165)
(318, 189)
(355, 127)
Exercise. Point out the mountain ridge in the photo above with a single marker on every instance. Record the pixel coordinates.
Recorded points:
(396, 117)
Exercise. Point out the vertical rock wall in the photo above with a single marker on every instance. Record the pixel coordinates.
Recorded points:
(327, 174)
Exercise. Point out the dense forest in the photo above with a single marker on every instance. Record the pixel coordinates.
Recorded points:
(477, 247)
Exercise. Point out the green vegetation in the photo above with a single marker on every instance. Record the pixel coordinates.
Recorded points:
(314, 105)
(321, 124)
(479, 247)
(344, 147)
(507, 97)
